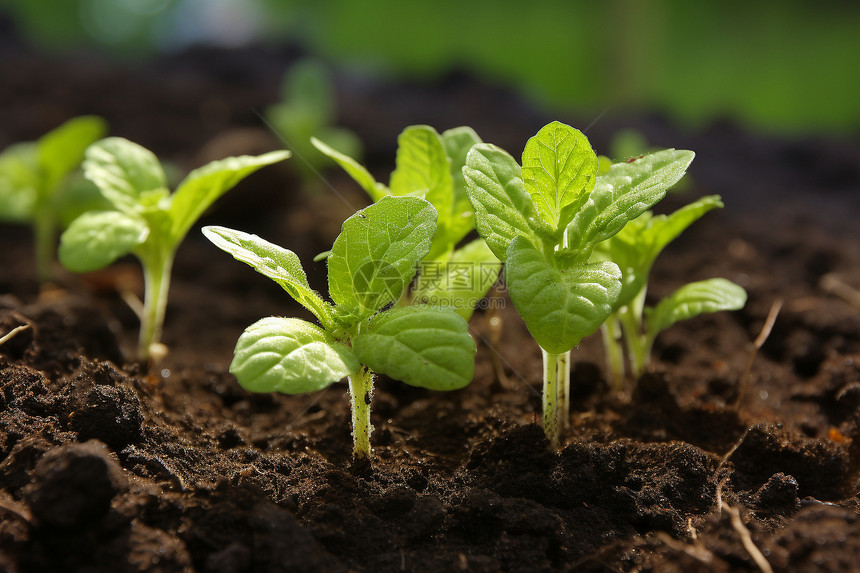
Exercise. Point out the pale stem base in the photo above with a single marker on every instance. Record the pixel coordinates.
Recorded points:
(636, 344)
(550, 397)
(563, 378)
(638, 349)
(611, 332)
(156, 278)
(361, 394)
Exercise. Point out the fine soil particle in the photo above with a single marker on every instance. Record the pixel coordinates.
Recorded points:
(106, 466)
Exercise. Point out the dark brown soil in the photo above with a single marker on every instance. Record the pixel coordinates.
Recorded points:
(104, 467)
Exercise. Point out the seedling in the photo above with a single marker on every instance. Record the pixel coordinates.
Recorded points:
(37, 187)
(308, 109)
(544, 219)
(145, 219)
(430, 165)
(372, 262)
(634, 249)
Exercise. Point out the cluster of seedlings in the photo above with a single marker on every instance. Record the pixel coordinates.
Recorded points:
(572, 233)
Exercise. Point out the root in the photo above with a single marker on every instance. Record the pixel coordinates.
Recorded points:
(756, 346)
(833, 284)
(13, 333)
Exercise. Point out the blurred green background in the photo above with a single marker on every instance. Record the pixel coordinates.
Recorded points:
(784, 67)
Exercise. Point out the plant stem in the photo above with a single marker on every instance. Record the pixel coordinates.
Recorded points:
(611, 332)
(550, 397)
(156, 277)
(563, 378)
(361, 393)
(45, 237)
(632, 327)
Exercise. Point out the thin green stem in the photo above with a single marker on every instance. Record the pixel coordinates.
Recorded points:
(563, 378)
(648, 346)
(361, 394)
(611, 331)
(550, 397)
(633, 336)
(156, 276)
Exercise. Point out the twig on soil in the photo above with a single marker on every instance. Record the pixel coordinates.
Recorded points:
(695, 550)
(13, 333)
(746, 539)
(834, 285)
(18, 329)
(735, 515)
(719, 490)
(756, 346)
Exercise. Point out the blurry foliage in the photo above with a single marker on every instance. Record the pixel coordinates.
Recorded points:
(308, 109)
(781, 65)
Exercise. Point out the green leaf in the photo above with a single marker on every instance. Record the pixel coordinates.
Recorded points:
(422, 170)
(19, 182)
(422, 166)
(354, 169)
(460, 282)
(663, 229)
(289, 355)
(457, 142)
(712, 295)
(502, 206)
(124, 172)
(421, 346)
(559, 307)
(377, 253)
(77, 196)
(638, 244)
(279, 264)
(206, 184)
(559, 169)
(621, 195)
(62, 149)
(97, 238)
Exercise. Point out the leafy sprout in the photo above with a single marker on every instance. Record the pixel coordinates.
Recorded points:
(544, 219)
(144, 218)
(308, 109)
(372, 262)
(37, 183)
(635, 249)
(430, 165)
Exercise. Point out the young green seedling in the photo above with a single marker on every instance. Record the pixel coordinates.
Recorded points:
(307, 109)
(634, 250)
(372, 262)
(36, 184)
(146, 219)
(430, 165)
(543, 220)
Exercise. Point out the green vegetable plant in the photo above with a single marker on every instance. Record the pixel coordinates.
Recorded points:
(372, 262)
(634, 249)
(308, 109)
(544, 219)
(430, 165)
(144, 218)
(37, 185)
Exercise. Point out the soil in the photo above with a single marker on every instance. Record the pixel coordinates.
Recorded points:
(108, 466)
